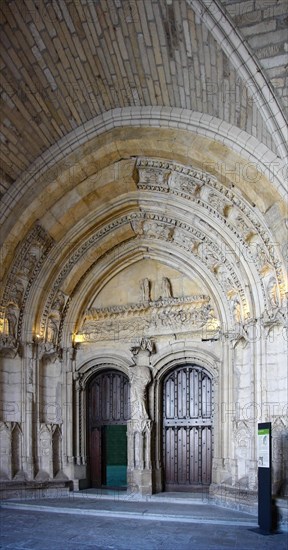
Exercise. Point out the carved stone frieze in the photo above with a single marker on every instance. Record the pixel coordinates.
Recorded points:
(170, 168)
(216, 201)
(153, 228)
(220, 202)
(154, 177)
(185, 183)
(189, 313)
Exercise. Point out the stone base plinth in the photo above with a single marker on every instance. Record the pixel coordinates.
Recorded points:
(236, 497)
(34, 489)
(140, 482)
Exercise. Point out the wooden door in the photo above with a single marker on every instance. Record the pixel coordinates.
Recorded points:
(108, 413)
(187, 428)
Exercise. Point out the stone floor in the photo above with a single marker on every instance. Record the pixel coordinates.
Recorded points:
(112, 522)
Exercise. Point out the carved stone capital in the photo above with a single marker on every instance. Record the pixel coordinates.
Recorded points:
(47, 352)
(237, 337)
(273, 318)
(140, 425)
(143, 350)
(9, 346)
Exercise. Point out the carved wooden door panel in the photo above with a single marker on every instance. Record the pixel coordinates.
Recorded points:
(108, 407)
(187, 428)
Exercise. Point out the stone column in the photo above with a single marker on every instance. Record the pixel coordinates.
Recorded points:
(78, 419)
(68, 456)
(140, 426)
(30, 465)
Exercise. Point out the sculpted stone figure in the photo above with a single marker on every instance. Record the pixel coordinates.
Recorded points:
(236, 308)
(145, 290)
(166, 290)
(272, 293)
(12, 322)
(139, 379)
(16, 293)
(52, 331)
(59, 302)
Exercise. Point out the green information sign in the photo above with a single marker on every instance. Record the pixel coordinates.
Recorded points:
(264, 478)
(263, 448)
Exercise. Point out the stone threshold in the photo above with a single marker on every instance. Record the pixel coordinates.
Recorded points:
(125, 514)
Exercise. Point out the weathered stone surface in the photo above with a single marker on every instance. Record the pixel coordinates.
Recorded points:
(145, 236)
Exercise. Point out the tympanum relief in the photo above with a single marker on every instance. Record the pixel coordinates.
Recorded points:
(150, 317)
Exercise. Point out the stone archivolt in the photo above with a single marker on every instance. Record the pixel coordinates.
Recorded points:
(237, 218)
(152, 226)
(27, 263)
(197, 243)
(226, 205)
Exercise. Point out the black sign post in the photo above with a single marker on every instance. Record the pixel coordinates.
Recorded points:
(264, 478)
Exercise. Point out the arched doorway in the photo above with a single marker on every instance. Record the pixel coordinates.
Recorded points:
(108, 413)
(187, 428)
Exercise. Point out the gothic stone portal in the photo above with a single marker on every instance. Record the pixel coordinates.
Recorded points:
(187, 431)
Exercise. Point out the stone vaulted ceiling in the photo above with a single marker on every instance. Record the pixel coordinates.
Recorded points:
(135, 130)
(64, 62)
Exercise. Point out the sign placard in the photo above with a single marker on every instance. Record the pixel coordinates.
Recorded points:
(264, 478)
(263, 448)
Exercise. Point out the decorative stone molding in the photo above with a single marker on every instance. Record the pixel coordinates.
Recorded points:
(204, 125)
(237, 338)
(242, 333)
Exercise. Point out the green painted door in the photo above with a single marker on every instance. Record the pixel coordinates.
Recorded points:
(115, 455)
(108, 413)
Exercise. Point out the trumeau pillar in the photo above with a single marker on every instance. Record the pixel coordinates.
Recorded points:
(140, 425)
